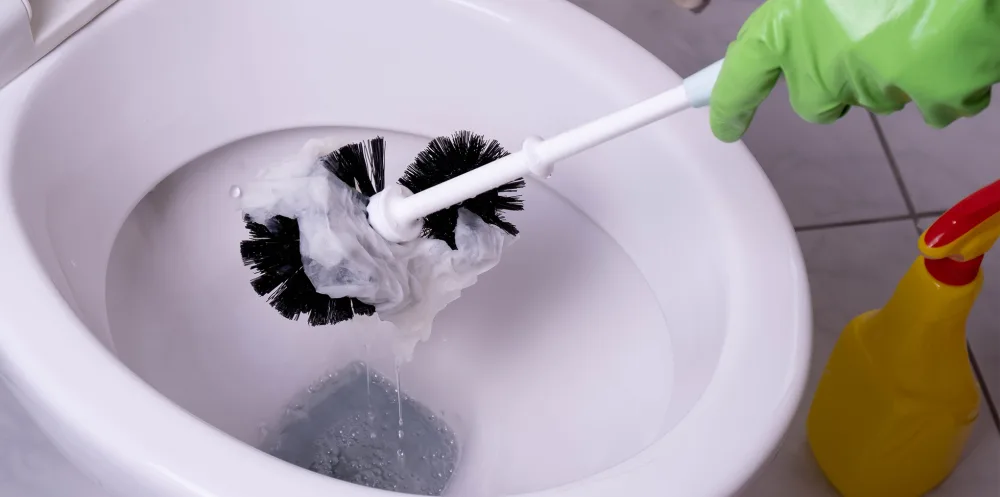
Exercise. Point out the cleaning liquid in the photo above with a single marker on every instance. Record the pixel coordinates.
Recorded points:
(368, 377)
(399, 407)
(898, 398)
(368, 390)
(335, 433)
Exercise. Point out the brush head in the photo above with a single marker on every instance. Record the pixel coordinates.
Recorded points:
(359, 165)
(273, 253)
(273, 249)
(448, 157)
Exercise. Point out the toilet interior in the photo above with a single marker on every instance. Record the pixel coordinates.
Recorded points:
(559, 354)
(576, 352)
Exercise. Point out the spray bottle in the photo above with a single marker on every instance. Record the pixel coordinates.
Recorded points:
(898, 398)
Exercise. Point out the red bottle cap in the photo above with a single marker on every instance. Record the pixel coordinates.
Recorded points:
(955, 244)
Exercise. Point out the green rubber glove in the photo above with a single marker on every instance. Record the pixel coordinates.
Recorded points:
(943, 55)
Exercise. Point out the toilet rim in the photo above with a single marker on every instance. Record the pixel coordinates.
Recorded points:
(82, 384)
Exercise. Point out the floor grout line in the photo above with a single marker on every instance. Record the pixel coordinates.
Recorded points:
(991, 406)
(855, 222)
(924, 214)
(894, 166)
(865, 221)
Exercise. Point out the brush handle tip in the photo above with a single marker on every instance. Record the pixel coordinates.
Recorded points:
(699, 85)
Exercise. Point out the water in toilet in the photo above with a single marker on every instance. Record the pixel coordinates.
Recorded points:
(348, 426)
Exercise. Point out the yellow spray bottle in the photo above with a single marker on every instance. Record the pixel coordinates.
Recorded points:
(898, 397)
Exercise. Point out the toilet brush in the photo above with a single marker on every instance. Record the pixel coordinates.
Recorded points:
(453, 177)
(273, 249)
(397, 213)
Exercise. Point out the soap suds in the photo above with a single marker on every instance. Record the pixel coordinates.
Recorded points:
(408, 283)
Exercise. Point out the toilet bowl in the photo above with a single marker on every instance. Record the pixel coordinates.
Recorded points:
(647, 334)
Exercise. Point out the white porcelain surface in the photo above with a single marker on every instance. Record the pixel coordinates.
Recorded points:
(30, 466)
(705, 271)
(30, 29)
(823, 173)
(15, 37)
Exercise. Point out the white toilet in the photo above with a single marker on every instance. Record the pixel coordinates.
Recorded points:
(648, 335)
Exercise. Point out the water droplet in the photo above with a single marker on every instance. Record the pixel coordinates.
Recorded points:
(400, 433)
(235, 192)
(399, 453)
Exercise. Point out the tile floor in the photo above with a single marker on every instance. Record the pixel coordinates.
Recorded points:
(859, 192)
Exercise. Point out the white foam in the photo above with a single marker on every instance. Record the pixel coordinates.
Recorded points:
(408, 283)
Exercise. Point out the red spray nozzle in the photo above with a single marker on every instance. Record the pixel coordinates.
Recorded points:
(955, 244)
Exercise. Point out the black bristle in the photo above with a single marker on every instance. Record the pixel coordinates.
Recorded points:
(273, 252)
(359, 165)
(273, 248)
(448, 157)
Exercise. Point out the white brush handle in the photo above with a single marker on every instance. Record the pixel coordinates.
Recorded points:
(397, 215)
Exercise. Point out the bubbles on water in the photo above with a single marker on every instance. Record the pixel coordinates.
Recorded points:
(345, 429)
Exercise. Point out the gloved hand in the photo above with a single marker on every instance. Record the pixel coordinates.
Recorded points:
(943, 55)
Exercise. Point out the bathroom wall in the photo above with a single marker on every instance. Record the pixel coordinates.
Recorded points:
(859, 192)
